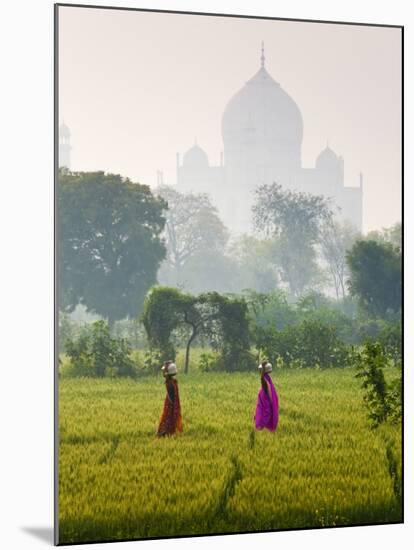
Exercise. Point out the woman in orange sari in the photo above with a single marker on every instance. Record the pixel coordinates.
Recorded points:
(171, 421)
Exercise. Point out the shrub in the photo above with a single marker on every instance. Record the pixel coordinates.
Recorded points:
(309, 344)
(383, 401)
(95, 353)
(208, 362)
(236, 359)
(390, 338)
(228, 360)
(320, 346)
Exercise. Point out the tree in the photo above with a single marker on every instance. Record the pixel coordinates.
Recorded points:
(164, 311)
(253, 258)
(170, 313)
(335, 240)
(192, 227)
(296, 220)
(392, 235)
(109, 243)
(375, 277)
(308, 344)
(271, 309)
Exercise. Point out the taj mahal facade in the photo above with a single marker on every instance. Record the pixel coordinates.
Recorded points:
(262, 130)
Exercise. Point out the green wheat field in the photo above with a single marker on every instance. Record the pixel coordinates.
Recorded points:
(323, 467)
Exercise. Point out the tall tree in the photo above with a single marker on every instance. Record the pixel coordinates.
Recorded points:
(192, 227)
(169, 311)
(375, 277)
(335, 240)
(109, 243)
(170, 314)
(296, 220)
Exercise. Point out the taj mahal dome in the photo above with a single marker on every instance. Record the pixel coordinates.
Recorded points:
(262, 130)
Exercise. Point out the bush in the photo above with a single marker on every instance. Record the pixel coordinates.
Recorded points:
(309, 344)
(209, 362)
(228, 360)
(384, 401)
(236, 359)
(95, 353)
(390, 338)
(387, 333)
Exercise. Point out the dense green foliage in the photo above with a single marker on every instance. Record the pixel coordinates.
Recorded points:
(392, 235)
(323, 467)
(309, 344)
(375, 277)
(95, 353)
(383, 400)
(109, 243)
(221, 321)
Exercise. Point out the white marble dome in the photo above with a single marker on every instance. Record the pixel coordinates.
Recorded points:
(195, 157)
(327, 159)
(263, 112)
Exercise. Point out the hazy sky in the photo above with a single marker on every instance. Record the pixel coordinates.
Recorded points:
(136, 87)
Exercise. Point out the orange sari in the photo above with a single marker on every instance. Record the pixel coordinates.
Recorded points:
(171, 421)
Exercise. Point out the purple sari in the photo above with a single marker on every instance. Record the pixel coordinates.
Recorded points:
(267, 408)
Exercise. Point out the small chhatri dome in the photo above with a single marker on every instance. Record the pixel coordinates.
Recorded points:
(264, 108)
(64, 131)
(195, 157)
(327, 159)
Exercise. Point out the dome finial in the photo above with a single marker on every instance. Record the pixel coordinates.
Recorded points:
(262, 57)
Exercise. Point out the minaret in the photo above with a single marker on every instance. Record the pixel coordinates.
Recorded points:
(64, 146)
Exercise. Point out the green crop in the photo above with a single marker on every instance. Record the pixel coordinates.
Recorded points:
(323, 467)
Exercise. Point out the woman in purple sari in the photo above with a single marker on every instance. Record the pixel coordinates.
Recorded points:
(267, 408)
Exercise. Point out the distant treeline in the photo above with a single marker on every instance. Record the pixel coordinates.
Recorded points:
(117, 239)
(235, 331)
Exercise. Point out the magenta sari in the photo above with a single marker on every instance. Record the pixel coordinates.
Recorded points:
(267, 408)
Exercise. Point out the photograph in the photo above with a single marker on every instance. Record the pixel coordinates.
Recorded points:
(228, 274)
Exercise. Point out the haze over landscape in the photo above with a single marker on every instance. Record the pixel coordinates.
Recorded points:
(135, 88)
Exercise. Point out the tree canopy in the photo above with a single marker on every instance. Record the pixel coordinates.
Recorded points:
(375, 277)
(222, 320)
(336, 239)
(296, 220)
(392, 235)
(192, 227)
(109, 243)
